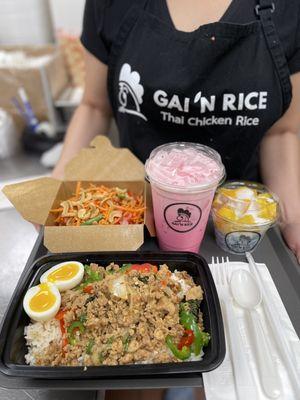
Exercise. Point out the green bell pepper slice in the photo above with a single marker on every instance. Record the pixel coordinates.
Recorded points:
(75, 325)
(182, 354)
(189, 322)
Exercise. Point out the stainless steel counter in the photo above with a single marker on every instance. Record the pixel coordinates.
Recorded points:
(17, 238)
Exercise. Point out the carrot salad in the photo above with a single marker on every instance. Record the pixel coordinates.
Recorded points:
(100, 205)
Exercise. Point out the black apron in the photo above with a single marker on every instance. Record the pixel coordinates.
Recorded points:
(223, 85)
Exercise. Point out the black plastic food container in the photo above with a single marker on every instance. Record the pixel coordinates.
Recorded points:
(13, 346)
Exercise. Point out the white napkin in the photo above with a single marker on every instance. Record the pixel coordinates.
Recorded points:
(220, 384)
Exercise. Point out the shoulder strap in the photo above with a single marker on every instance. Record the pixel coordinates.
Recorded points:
(264, 11)
(264, 6)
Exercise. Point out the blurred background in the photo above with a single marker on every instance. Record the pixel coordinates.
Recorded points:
(41, 83)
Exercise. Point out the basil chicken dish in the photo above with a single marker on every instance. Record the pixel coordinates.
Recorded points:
(122, 314)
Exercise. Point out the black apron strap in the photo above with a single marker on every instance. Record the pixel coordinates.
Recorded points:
(264, 11)
(127, 25)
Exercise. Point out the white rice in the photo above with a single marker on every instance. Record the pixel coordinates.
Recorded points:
(38, 336)
(196, 358)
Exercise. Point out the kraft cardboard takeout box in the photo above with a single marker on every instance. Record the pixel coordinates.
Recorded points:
(100, 163)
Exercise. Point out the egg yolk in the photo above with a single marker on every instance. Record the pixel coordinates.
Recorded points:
(63, 273)
(43, 300)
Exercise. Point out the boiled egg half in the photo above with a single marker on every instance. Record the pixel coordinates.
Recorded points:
(65, 275)
(42, 302)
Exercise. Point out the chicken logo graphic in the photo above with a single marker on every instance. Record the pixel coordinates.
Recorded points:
(130, 92)
(183, 215)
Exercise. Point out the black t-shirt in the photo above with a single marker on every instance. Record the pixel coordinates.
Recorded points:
(103, 18)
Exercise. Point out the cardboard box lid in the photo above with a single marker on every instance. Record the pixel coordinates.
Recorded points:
(33, 199)
(104, 162)
(100, 162)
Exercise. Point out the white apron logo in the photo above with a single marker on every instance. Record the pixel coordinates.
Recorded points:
(130, 92)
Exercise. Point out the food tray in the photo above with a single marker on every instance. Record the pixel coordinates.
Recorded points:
(12, 342)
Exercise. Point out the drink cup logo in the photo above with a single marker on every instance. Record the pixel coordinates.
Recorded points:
(130, 92)
(182, 217)
(240, 242)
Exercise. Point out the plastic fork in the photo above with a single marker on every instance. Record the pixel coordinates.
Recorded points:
(243, 379)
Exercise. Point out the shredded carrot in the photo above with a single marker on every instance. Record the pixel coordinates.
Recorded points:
(129, 209)
(78, 187)
(87, 204)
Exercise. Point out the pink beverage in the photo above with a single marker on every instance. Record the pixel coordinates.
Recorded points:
(184, 178)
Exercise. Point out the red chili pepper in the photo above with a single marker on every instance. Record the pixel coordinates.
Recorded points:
(62, 326)
(60, 314)
(146, 267)
(139, 268)
(60, 317)
(88, 289)
(187, 339)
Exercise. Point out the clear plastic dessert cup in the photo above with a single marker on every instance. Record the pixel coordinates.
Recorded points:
(184, 178)
(242, 213)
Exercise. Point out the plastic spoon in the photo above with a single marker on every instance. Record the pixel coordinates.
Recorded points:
(247, 295)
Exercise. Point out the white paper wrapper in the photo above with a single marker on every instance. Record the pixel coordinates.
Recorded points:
(220, 383)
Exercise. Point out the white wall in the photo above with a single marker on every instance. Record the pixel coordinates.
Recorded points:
(29, 21)
(67, 15)
(25, 22)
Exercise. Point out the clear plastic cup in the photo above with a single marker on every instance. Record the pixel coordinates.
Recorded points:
(241, 219)
(184, 178)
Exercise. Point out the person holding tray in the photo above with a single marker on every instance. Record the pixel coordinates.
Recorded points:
(222, 73)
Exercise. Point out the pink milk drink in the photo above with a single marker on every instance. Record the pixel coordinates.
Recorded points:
(184, 178)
